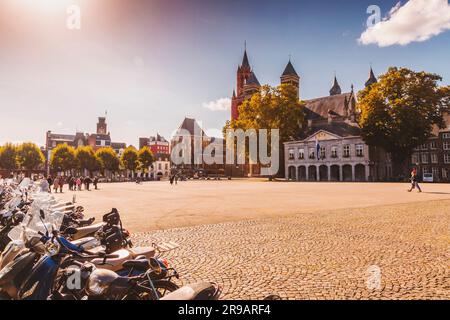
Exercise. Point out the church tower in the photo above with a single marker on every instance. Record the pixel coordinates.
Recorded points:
(243, 73)
(101, 126)
(291, 77)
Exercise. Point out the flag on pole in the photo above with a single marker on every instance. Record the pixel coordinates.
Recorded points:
(318, 149)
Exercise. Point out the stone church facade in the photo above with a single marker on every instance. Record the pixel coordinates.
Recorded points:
(331, 148)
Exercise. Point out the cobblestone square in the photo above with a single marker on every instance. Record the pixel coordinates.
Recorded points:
(298, 240)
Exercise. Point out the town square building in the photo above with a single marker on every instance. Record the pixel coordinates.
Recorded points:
(101, 138)
(160, 148)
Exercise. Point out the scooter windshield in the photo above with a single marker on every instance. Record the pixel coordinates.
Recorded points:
(35, 223)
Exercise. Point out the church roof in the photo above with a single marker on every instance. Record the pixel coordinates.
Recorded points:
(252, 79)
(245, 62)
(342, 129)
(336, 89)
(372, 79)
(289, 70)
(317, 109)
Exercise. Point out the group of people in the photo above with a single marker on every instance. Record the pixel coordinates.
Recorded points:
(173, 178)
(74, 183)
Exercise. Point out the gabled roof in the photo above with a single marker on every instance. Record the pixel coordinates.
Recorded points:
(191, 126)
(289, 70)
(319, 108)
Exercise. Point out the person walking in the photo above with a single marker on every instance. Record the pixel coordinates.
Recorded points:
(176, 179)
(56, 184)
(62, 180)
(78, 184)
(95, 182)
(414, 181)
(70, 183)
(50, 183)
(87, 183)
(171, 179)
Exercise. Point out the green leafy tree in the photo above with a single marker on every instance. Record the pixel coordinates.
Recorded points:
(8, 157)
(29, 156)
(87, 159)
(108, 158)
(272, 108)
(145, 158)
(63, 158)
(130, 159)
(399, 112)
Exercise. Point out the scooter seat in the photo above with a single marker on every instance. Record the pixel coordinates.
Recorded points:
(141, 265)
(88, 230)
(148, 252)
(113, 264)
(195, 291)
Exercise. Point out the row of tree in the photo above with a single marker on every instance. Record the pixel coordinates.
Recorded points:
(25, 156)
(64, 158)
(397, 113)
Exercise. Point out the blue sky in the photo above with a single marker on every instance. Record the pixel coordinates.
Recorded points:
(151, 63)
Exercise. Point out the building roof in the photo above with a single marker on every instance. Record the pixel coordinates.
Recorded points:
(252, 80)
(191, 126)
(289, 70)
(245, 62)
(62, 137)
(336, 89)
(372, 79)
(317, 109)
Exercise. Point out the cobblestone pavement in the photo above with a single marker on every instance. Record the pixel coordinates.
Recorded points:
(325, 255)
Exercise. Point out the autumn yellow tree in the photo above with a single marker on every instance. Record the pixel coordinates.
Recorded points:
(399, 112)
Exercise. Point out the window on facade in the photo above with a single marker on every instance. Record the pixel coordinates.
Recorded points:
(291, 154)
(433, 145)
(446, 145)
(444, 173)
(108, 143)
(322, 152)
(312, 153)
(167, 166)
(424, 157)
(360, 150)
(434, 158)
(346, 150)
(334, 152)
(446, 135)
(98, 142)
(415, 158)
(424, 146)
(159, 166)
(435, 173)
(54, 144)
(447, 158)
(301, 154)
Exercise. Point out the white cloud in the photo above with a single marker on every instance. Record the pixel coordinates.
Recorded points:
(415, 21)
(222, 104)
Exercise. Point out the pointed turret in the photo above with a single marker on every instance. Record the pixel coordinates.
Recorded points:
(372, 79)
(291, 77)
(245, 63)
(336, 89)
(289, 70)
